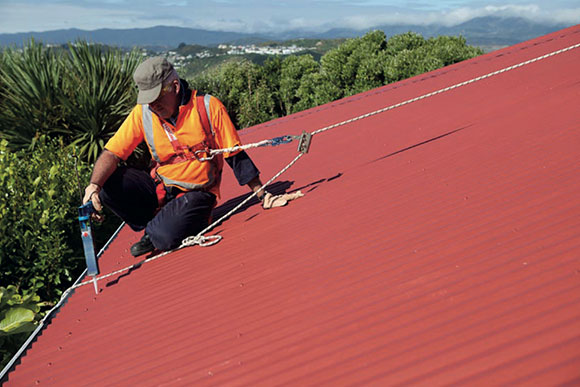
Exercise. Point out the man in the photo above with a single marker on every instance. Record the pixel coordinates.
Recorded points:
(168, 116)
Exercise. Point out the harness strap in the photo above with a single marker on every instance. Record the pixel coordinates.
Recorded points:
(177, 147)
(203, 111)
(182, 152)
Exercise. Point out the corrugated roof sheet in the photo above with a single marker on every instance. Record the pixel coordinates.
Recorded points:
(437, 243)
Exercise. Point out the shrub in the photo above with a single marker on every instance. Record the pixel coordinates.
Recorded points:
(100, 95)
(40, 244)
(19, 315)
(82, 95)
(32, 87)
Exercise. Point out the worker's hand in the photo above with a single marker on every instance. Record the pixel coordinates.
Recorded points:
(272, 201)
(92, 195)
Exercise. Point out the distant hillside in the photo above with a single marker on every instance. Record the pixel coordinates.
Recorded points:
(481, 31)
(493, 30)
(154, 37)
(478, 31)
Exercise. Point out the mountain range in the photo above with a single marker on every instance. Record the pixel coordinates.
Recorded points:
(478, 31)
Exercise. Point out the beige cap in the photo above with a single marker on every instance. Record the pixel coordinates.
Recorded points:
(149, 77)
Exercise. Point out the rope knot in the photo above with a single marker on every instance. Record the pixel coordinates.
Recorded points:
(201, 240)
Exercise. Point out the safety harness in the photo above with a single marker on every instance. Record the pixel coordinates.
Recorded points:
(184, 153)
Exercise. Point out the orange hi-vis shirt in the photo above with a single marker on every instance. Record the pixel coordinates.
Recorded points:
(189, 174)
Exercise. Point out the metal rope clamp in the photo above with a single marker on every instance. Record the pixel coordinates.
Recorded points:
(304, 142)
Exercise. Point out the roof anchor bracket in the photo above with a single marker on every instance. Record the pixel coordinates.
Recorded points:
(304, 142)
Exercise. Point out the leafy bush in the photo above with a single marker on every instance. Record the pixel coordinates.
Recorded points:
(40, 245)
(19, 315)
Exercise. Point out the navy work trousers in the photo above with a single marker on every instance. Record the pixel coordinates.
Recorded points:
(130, 193)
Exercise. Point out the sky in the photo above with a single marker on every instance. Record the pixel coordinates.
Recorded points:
(256, 16)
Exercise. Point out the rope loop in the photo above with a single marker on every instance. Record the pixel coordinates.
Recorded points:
(201, 240)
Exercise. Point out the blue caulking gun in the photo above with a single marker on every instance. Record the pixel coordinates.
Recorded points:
(85, 212)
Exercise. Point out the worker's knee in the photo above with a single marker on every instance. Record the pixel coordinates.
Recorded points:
(180, 218)
(130, 193)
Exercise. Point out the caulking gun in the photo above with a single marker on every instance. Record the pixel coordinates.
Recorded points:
(85, 212)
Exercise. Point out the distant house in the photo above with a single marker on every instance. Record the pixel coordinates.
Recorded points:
(438, 243)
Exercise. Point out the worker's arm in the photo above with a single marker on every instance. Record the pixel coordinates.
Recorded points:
(247, 174)
(104, 167)
(245, 171)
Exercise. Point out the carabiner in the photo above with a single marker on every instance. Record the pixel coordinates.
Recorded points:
(206, 151)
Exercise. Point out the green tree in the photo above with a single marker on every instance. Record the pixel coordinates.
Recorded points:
(407, 41)
(248, 91)
(270, 73)
(341, 66)
(257, 104)
(294, 70)
(451, 49)
(254, 93)
(228, 83)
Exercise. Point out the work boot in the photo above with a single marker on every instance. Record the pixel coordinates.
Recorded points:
(144, 246)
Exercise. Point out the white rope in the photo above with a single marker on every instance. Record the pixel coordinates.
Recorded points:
(290, 138)
(240, 147)
(199, 238)
(203, 241)
(445, 89)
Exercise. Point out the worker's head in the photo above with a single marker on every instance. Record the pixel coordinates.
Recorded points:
(159, 86)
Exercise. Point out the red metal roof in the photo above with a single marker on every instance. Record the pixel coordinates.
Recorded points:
(438, 243)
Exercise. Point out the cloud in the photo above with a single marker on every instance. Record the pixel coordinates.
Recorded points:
(266, 15)
(463, 14)
(320, 16)
(45, 17)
